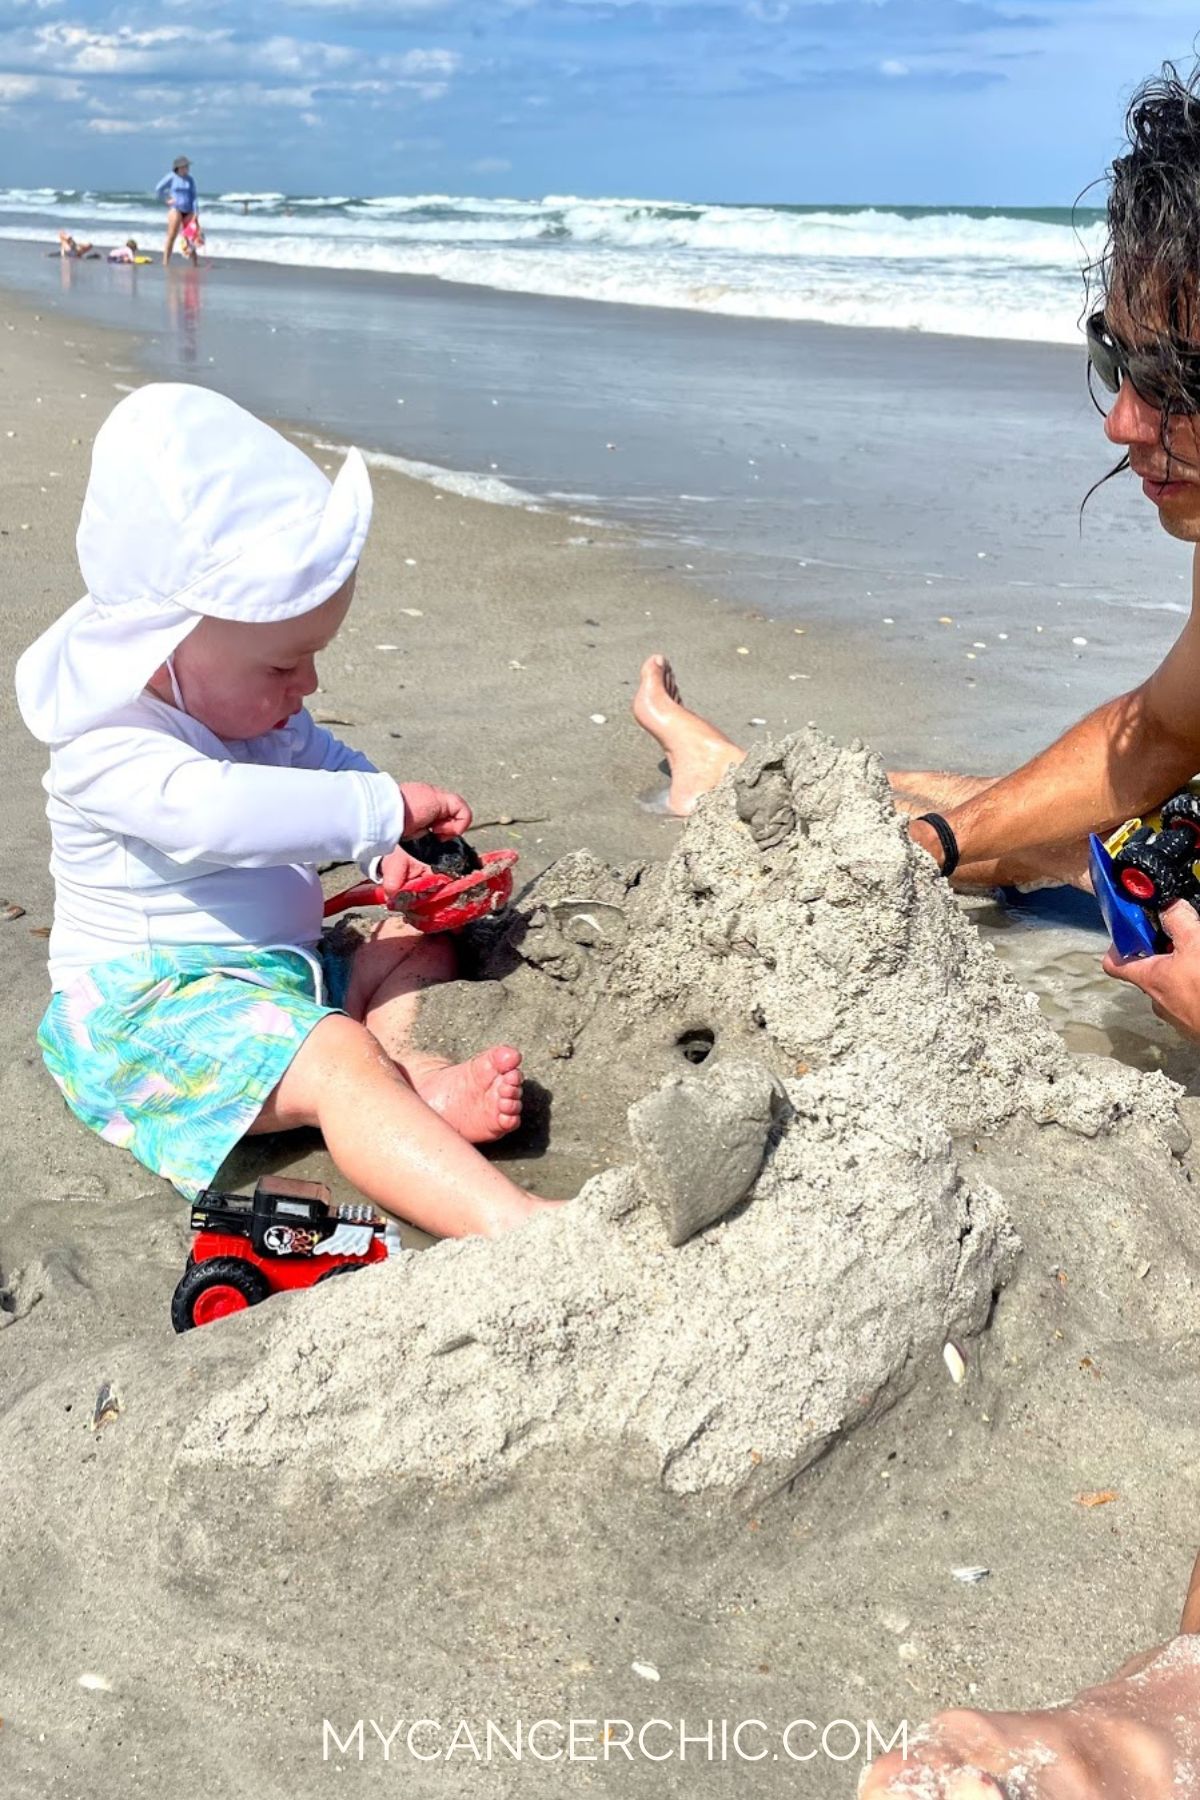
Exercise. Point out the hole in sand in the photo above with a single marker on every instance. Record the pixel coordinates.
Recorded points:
(696, 1046)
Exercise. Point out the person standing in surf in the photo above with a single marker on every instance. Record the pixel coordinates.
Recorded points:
(178, 190)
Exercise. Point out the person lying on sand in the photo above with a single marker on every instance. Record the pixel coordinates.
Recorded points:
(68, 247)
(191, 798)
(1138, 1736)
(125, 253)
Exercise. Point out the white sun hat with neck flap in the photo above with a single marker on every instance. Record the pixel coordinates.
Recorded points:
(194, 509)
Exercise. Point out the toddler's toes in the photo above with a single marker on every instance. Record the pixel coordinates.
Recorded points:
(480, 1098)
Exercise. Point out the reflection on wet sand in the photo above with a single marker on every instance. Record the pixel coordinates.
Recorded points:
(184, 294)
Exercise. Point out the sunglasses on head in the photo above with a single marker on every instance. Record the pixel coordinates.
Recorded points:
(1155, 375)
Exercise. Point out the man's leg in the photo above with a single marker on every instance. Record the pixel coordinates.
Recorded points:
(1058, 865)
(698, 755)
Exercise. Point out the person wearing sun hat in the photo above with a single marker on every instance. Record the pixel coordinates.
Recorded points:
(191, 796)
(178, 191)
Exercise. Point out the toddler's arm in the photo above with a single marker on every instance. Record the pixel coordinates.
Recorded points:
(427, 808)
(199, 809)
(311, 746)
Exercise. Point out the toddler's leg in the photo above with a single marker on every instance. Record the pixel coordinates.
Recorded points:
(383, 1137)
(481, 1098)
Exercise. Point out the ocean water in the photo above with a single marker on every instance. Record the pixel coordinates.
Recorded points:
(972, 272)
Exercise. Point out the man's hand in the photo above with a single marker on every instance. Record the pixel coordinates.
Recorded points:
(1173, 980)
(433, 809)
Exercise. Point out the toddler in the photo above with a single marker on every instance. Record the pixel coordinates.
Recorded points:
(193, 237)
(191, 796)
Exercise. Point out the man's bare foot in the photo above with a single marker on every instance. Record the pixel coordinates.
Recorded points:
(1135, 1738)
(697, 753)
(480, 1098)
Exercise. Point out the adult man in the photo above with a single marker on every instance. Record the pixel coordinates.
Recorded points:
(179, 191)
(1138, 1736)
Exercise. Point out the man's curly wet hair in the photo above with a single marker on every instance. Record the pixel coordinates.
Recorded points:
(1149, 269)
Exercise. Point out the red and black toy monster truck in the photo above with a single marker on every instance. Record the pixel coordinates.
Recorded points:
(287, 1235)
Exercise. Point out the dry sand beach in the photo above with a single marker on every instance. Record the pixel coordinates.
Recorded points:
(583, 1474)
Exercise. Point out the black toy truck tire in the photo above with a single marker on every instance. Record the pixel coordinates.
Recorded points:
(1169, 877)
(1182, 812)
(215, 1271)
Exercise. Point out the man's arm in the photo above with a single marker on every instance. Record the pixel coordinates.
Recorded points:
(1122, 759)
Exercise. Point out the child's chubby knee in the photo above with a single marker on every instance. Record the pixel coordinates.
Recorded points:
(379, 949)
(337, 1055)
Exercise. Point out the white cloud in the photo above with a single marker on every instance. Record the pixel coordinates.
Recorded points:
(129, 127)
(441, 63)
(247, 95)
(189, 51)
(894, 68)
(490, 165)
(38, 87)
(77, 49)
(297, 56)
(383, 9)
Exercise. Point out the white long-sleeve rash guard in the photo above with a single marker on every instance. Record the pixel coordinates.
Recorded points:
(164, 834)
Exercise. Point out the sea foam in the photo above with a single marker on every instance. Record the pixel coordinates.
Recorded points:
(971, 272)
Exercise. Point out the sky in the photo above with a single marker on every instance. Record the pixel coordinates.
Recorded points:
(940, 102)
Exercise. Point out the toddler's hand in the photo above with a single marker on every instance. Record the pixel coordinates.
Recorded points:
(433, 809)
(398, 870)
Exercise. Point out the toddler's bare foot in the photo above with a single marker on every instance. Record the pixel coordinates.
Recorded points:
(1135, 1738)
(480, 1098)
(697, 753)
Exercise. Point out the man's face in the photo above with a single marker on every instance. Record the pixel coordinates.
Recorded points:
(1170, 473)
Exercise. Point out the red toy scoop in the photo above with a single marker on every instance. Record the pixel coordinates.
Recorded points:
(438, 902)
